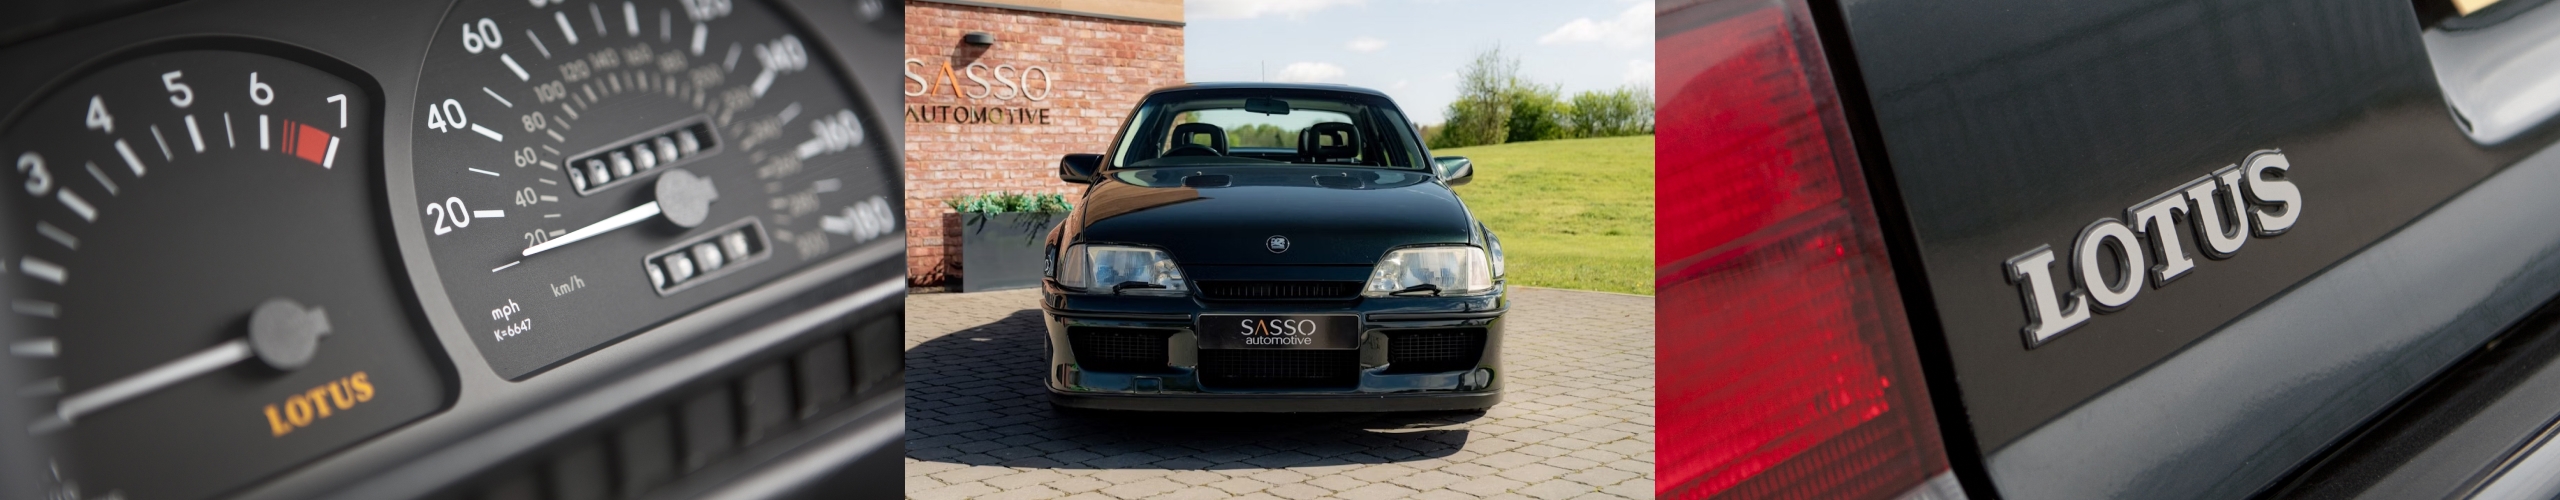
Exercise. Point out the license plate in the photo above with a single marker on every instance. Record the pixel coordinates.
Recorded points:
(1265, 331)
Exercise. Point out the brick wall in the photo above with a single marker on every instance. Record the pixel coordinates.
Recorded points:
(1100, 66)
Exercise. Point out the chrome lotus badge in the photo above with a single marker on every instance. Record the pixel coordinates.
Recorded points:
(1276, 244)
(2258, 195)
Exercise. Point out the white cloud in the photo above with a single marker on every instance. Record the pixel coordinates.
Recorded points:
(1366, 44)
(1248, 9)
(1640, 72)
(1632, 28)
(1310, 72)
(1400, 84)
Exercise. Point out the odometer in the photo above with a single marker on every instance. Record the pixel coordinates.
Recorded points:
(585, 170)
(208, 296)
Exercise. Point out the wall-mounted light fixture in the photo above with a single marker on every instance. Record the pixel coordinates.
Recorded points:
(979, 38)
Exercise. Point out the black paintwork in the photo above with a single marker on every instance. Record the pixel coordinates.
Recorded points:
(1341, 221)
(2466, 421)
(1347, 223)
(2003, 125)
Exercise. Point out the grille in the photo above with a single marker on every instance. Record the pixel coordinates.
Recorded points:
(1118, 349)
(1279, 290)
(1435, 350)
(1269, 368)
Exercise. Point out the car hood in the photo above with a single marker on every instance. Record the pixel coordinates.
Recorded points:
(1227, 215)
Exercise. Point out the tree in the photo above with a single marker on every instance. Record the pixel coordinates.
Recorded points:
(1482, 113)
(1261, 135)
(1535, 113)
(1609, 113)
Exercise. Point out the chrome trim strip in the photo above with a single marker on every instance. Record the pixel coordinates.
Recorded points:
(1939, 487)
(2533, 473)
(2500, 80)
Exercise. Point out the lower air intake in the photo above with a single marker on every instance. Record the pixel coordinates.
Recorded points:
(1279, 368)
(1434, 350)
(1119, 349)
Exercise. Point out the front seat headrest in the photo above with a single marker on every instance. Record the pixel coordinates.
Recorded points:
(1189, 133)
(1329, 142)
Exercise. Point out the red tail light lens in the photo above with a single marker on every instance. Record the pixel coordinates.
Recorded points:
(1785, 367)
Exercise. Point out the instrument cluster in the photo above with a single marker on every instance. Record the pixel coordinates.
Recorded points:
(246, 237)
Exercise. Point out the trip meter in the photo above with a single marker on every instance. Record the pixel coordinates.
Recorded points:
(587, 169)
(205, 269)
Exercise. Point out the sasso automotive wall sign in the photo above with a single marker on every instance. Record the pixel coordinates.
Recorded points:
(977, 81)
(2111, 256)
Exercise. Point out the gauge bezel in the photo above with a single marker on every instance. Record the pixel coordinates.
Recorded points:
(385, 236)
(382, 238)
(445, 74)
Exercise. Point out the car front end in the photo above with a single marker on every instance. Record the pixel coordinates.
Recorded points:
(1343, 275)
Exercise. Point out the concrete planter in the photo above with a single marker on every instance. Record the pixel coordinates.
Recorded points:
(1001, 251)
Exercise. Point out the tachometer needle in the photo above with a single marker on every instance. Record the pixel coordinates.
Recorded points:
(281, 332)
(687, 200)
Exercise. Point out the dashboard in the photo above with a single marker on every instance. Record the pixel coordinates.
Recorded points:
(456, 249)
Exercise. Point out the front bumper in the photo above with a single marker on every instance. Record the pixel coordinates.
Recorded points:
(1188, 378)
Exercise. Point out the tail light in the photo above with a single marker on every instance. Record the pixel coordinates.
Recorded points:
(1785, 367)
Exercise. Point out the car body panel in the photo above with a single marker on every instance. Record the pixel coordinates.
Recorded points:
(1350, 222)
(1180, 389)
(1225, 219)
(2006, 125)
(2236, 411)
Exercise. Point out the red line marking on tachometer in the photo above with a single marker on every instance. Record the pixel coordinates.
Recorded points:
(312, 144)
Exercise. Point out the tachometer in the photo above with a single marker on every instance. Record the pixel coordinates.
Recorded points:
(586, 169)
(206, 270)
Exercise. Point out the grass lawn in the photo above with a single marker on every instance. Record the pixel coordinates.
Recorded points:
(1571, 213)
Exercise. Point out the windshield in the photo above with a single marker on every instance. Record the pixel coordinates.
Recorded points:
(1266, 127)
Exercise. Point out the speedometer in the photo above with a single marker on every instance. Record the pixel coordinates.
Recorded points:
(184, 203)
(585, 170)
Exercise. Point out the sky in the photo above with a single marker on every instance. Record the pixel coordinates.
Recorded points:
(1413, 49)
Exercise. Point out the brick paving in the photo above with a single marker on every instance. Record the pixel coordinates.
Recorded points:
(1576, 420)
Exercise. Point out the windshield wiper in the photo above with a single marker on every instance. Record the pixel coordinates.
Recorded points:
(1425, 287)
(1124, 285)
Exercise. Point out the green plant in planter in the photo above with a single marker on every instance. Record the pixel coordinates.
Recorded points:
(977, 207)
(1051, 202)
(1001, 236)
(1008, 202)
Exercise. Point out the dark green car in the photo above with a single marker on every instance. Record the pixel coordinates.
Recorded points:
(1272, 247)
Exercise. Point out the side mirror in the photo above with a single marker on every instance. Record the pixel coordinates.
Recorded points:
(1455, 170)
(1079, 168)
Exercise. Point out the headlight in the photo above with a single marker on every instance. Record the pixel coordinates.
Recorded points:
(1120, 270)
(1433, 271)
(1497, 253)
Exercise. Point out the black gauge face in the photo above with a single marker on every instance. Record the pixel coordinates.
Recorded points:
(587, 169)
(203, 267)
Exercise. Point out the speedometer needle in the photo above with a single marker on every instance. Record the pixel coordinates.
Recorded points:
(617, 221)
(686, 201)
